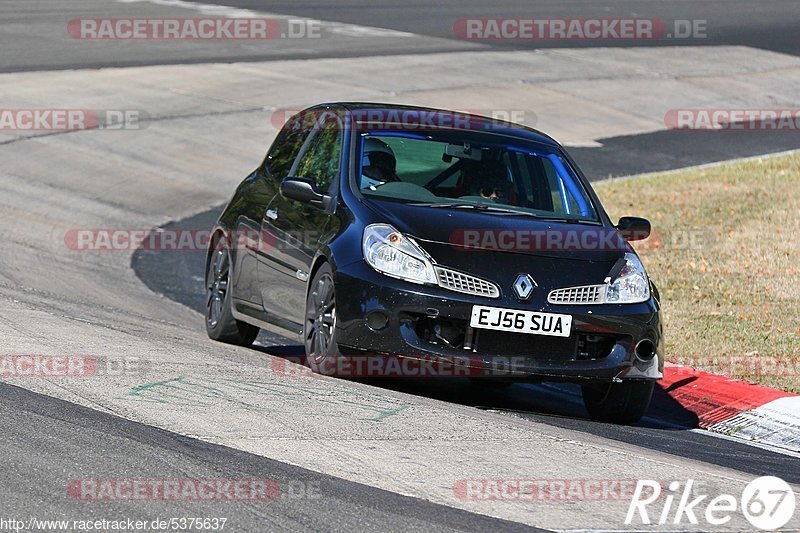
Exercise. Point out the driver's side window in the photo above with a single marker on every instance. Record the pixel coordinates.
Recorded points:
(321, 159)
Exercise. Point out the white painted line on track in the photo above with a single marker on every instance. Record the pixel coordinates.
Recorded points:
(754, 444)
(775, 424)
(770, 427)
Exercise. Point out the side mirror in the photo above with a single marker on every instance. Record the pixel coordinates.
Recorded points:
(303, 190)
(634, 228)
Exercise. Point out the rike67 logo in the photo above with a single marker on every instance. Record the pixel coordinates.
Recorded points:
(767, 503)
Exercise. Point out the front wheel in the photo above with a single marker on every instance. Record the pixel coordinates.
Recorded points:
(220, 324)
(621, 403)
(319, 328)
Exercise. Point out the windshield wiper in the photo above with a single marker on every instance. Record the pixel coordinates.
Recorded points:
(454, 205)
(571, 220)
(480, 207)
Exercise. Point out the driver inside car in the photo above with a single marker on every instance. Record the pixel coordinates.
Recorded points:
(490, 181)
(378, 164)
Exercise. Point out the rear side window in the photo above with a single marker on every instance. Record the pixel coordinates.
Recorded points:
(320, 161)
(286, 147)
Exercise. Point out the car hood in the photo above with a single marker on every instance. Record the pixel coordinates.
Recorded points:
(472, 230)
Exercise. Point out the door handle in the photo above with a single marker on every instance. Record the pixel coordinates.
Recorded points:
(272, 214)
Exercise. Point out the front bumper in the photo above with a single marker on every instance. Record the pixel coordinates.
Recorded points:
(600, 347)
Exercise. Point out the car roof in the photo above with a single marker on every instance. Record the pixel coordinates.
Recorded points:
(417, 115)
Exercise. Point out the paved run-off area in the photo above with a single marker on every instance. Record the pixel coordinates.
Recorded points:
(208, 127)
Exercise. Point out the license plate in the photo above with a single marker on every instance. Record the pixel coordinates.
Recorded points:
(517, 321)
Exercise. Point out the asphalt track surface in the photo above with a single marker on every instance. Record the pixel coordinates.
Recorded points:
(33, 36)
(674, 149)
(52, 441)
(770, 25)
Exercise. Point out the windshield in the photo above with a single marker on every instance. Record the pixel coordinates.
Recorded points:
(445, 170)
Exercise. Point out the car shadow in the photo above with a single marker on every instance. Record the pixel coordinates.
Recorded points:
(544, 399)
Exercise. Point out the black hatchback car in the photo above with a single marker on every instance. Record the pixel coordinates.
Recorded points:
(424, 234)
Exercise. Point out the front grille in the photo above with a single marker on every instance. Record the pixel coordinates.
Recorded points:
(459, 282)
(586, 295)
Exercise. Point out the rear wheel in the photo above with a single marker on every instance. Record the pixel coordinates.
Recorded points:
(220, 324)
(621, 403)
(319, 329)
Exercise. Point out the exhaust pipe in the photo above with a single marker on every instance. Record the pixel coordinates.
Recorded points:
(645, 350)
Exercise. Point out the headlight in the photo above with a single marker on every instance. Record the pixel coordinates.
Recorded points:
(390, 252)
(631, 285)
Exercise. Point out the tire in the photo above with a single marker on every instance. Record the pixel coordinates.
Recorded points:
(619, 403)
(220, 324)
(319, 326)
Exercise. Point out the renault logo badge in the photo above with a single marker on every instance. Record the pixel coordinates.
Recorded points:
(524, 286)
